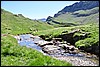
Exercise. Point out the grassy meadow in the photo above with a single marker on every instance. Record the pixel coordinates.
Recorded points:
(16, 24)
(12, 54)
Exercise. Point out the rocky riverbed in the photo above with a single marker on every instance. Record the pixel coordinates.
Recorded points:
(59, 50)
(77, 61)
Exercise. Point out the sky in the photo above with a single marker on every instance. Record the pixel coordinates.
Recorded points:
(35, 9)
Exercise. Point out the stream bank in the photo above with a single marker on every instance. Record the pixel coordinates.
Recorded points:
(74, 36)
(56, 49)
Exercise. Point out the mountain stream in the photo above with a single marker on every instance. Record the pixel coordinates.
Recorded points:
(77, 59)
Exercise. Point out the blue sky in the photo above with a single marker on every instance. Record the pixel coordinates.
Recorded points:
(35, 9)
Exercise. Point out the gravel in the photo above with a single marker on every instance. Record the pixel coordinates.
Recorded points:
(77, 61)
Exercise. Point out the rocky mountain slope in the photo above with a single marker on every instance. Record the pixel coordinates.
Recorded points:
(82, 12)
(82, 5)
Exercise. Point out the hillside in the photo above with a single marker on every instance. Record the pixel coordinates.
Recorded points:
(76, 27)
(12, 54)
(18, 24)
(74, 15)
(82, 5)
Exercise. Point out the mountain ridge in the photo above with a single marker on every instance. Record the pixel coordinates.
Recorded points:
(82, 5)
(75, 15)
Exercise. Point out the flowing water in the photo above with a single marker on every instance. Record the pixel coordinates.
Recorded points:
(28, 41)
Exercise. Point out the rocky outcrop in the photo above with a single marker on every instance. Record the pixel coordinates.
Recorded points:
(49, 18)
(70, 38)
(91, 49)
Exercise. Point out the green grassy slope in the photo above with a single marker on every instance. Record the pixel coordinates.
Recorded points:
(12, 54)
(13, 24)
(79, 17)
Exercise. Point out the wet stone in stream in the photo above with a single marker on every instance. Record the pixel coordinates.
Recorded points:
(49, 47)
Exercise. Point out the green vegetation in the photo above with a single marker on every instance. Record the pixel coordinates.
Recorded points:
(16, 24)
(78, 17)
(91, 11)
(92, 39)
(13, 54)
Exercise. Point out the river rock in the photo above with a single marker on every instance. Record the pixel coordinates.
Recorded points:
(74, 52)
(39, 41)
(69, 49)
(42, 43)
(51, 49)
